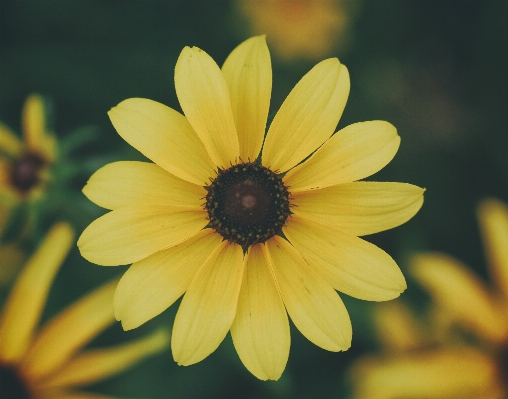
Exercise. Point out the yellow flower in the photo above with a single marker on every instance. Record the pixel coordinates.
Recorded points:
(24, 165)
(472, 364)
(298, 28)
(46, 363)
(213, 217)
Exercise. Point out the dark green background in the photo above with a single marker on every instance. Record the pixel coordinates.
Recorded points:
(437, 70)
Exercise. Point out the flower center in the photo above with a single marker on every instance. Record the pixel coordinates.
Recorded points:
(247, 204)
(25, 171)
(12, 386)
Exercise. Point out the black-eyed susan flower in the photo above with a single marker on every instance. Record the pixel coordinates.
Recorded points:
(24, 165)
(47, 363)
(464, 351)
(248, 235)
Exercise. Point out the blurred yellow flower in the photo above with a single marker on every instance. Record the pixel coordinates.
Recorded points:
(46, 363)
(470, 363)
(298, 28)
(24, 164)
(213, 217)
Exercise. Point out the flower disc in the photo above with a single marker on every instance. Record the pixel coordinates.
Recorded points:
(25, 172)
(247, 204)
(12, 385)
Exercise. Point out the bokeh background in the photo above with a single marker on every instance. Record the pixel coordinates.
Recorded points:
(437, 70)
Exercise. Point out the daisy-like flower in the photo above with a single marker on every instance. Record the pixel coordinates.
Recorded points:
(469, 363)
(46, 363)
(248, 235)
(24, 165)
(298, 28)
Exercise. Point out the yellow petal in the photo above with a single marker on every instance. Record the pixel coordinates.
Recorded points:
(360, 208)
(353, 153)
(493, 216)
(349, 264)
(248, 74)
(313, 305)
(34, 122)
(308, 116)
(165, 137)
(204, 98)
(9, 142)
(397, 328)
(209, 306)
(128, 183)
(460, 292)
(98, 364)
(24, 306)
(69, 331)
(464, 374)
(260, 330)
(127, 235)
(153, 284)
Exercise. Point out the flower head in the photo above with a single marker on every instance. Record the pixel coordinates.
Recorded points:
(47, 363)
(236, 221)
(298, 28)
(24, 164)
(444, 363)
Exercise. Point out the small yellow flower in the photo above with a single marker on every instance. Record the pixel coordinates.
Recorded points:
(24, 164)
(437, 365)
(298, 28)
(47, 363)
(248, 235)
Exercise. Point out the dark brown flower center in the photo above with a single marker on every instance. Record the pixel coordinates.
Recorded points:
(25, 172)
(11, 385)
(247, 204)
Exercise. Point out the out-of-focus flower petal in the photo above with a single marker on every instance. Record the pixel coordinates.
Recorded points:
(24, 306)
(69, 331)
(461, 293)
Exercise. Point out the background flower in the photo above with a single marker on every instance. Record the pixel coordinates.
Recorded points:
(46, 363)
(447, 363)
(24, 165)
(309, 29)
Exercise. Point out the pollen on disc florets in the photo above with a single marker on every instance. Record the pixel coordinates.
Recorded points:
(247, 203)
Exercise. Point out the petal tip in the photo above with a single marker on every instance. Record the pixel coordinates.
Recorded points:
(126, 326)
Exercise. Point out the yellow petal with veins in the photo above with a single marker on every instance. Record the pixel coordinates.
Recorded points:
(313, 305)
(204, 98)
(209, 306)
(248, 74)
(308, 116)
(260, 330)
